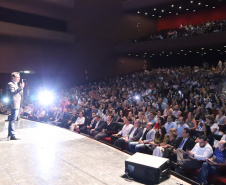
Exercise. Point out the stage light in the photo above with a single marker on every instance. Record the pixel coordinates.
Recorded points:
(199, 3)
(5, 100)
(154, 9)
(213, 7)
(137, 97)
(27, 72)
(146, 13)
(193, 10)
(46, 97)
(138, 12)
(163, 10)
(153, 15)
(172, 5)
(191, 1)
(180, 7)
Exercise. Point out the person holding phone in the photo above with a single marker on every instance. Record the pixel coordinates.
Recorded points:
(215, 164)
(15, 93)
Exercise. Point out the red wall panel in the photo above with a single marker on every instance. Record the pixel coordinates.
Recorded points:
(194, 18)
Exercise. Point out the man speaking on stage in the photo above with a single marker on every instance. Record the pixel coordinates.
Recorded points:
(15, 94)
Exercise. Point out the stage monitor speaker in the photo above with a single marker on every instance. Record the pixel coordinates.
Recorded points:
(148, 167)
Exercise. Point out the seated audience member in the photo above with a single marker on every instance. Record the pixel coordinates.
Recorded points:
(125, 130)
(109, 128)
(160, 138)
(213, 126)
(223, 128)
(214, 165)
(201, 123)
(158, 115)
(80, 121)
(50, 113)
(181, 126)
(176, 111)
(40, 115)
(68, 119)
(193, 159)
(191, 121)
(160, 122)
(26, 111)
(220, 118)
(166, 149)
(208, 134)
(134, 135)
(165, 113)
(99, 126)
(147, 136)
(185, 143)
(151, 118)
(198, 113)
(170, 124)
(86, 128)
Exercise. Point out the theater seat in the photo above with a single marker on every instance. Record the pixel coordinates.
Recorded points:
(217, 179)
(107, 139)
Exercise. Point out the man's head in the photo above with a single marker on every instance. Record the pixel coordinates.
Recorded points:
(75, 112)
(149, 126)
(137, 123)
(93, 114)
(110, 118)
(181, 120)
(15, 77)
(222, 145)
(97, 118)
(202, 141)
(127, 120)
(169, 119)
(80, 114)
(152, 115)
(186, 133)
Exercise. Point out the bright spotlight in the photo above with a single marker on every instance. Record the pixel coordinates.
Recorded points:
(5, 100)
(46, 97)
(137, 97)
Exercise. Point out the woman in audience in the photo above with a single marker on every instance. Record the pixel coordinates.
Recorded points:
(79, 121)
(191, 121)
(161, 122)
(160, 138)
(220, 118)
(213, 126)
(105, 116)
(208, 112)
(208, 134)
(166, 149)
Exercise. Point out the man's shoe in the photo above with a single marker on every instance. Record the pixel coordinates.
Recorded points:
(14, 138)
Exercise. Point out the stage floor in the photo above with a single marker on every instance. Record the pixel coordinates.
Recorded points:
(49, 155)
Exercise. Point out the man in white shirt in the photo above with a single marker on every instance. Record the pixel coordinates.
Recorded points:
(193, 159)
(170, 124)
(208, 103)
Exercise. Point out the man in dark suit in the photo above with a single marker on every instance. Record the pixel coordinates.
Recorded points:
(109, 128)
(183, 143)
(15, 94)
(86, 129)
(134, 135)
(98, 127)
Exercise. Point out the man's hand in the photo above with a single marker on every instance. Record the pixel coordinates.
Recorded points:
(22, 85)
(140, 141)
(211, 162)
(114, 135)
(190, 153)
(175, 151)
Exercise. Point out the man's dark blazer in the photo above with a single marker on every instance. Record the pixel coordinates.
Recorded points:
(112, 127)
(137, 134)
(100, 126)
(189, 144)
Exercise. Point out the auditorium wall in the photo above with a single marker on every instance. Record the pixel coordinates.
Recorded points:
(195, 18)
